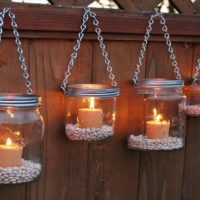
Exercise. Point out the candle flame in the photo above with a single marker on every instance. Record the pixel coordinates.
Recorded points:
(157, 117)
(92, 103)
(154, 112)
(9, 142)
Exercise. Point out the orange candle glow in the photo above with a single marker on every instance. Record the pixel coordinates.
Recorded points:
(157, 128)
(90, 117)
(10, 154)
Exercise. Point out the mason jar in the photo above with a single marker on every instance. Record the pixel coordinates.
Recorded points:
(90, 111)
(192, 93)
(21, 132)
(164, 115)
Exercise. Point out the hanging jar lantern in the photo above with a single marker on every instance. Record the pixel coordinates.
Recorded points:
(90, 108)
(21, 126)
(163, 121)
(193, 94)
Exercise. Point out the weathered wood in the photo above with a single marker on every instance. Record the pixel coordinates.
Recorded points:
(68, 157)
(110, 162)
(146, 5)
(185, 6)
(71, 2)
(192, 160)
(197, 5)
(107, 36)
(69, 19)
(192, 157)
(127, 5)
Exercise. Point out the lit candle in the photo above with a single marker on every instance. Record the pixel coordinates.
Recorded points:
(10, 154)
(90, 117)
(157, 128)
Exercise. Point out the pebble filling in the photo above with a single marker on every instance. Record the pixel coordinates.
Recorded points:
(73, 132)
(193, 110)
(143, 143)
(27, 172)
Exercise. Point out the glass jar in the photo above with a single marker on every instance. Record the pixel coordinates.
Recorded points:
(21, 131)
(192, 93)
(90, 111)
(164, 115)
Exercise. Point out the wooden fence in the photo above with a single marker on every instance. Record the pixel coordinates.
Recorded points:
(104, 170)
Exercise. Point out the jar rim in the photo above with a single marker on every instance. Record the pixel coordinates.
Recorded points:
(19, 100)
(160, 83)
(91, 90)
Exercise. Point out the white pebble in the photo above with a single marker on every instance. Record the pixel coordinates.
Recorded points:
(22, 174)
(143, 143)
(73, 132)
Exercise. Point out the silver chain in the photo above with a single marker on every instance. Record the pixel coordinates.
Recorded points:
(18, 46)
(145, 42)
(196, 74)
(88, 13)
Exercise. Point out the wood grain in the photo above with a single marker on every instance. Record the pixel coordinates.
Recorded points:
(30, 17)
(127, 5)
(192, 161)
(185, 6)
(71, 2)
(68, 157)
(111, 164)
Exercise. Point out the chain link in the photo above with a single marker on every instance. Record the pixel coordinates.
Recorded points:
(88, 13)
(196, 74)
(145, 42)
(18, 46)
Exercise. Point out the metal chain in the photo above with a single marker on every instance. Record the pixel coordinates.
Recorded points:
(196, 74)
(18, 46)
(145, 42)
(88, 13)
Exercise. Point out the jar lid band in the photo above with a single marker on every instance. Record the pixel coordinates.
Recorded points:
(91, 90)
(160, 83)
(19, 100)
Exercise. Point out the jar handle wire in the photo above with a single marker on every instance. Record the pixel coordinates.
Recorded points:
(88, 13)
(145, 42)
(18, 46)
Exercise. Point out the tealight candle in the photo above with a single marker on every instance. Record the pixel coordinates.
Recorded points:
(157, 128)
(90, 117)
(10, 154)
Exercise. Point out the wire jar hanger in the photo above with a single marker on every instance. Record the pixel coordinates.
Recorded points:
(145, 43)
(88, 13)
(18, 46)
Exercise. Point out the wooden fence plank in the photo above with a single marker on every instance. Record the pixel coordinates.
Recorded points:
(50, 60)
(111, 163)
(127, 5)
(146, 5)
(192, 157)
(185, 6)
(192, 160)
(71, 2)
(30, 17)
